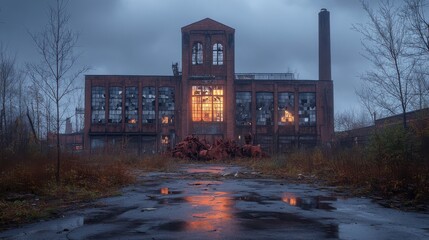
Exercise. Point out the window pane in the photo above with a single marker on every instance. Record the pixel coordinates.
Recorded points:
(207, 103)
(197, 53)
(217, 54)
(243, 106)
(166, 105)
(148, 105)
(307, 109)
(131, 106)
(98, 108)
(115, 105)
(286, 108)
(264, 108)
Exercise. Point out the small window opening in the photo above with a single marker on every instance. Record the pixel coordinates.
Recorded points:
(197, 54)
(217, 54)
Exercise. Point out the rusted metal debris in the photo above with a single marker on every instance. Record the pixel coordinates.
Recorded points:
(199, 149)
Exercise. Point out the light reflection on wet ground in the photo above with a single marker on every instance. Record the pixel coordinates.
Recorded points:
(209, 201)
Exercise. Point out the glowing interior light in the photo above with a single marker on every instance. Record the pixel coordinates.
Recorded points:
(287, 117)
(207, 103)
(164, 120)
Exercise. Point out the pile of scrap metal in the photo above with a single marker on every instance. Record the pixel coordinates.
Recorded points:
(199, 149)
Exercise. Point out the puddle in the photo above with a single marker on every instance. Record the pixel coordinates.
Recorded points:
(106, 215)
(174, 226)
(265, 220)
(210, 170)
(200, 208)
(210, 211)
(168, 201)
(318, 202)
(205, 183)
(257, 198)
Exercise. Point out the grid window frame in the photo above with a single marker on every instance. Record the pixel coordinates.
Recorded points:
(197, 53)
(243, 107)
(98, 105)
(264, 108)
(131, 106)
(166, 105)
(307, 109)
(115, 105)
(286, 108)
(148, 105)
(207, 103)
(218, 56)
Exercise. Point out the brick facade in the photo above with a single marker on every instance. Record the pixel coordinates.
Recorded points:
(148, 114)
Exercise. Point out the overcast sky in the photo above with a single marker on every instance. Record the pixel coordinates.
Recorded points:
(143, 36)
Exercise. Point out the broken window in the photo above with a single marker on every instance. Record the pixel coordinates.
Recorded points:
(307, 109)
(286, 108)
(166, 105)
(148, 104)
(98, 105)
(264, 108)
(131, 106)
(243, 106)
(207, 103)
(115, 105)
(197, 53)
(217, 54)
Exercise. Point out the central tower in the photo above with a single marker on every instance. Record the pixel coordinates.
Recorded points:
(207, 80)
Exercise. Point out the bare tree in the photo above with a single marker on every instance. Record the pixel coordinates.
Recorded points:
(414, 12)
(389, 82)
(57, 71)
(7, 72)
(351, 119)
(418, 25)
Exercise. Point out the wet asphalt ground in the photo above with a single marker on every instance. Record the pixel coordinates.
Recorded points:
(201, 201)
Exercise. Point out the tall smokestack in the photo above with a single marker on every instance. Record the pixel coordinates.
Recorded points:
(324, 46)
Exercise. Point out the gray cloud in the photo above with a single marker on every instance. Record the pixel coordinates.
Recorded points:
(143, 36)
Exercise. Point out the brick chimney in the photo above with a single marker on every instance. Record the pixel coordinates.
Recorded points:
(324, 46)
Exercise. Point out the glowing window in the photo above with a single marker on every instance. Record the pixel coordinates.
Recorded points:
(217, 54)
(197, 53)
(207, 103)
(115, 105)
(286, 108)
(131, 106)
(98, 105)
(307, 109)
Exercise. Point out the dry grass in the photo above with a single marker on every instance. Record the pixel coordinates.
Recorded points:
(153, 163)
(28, 189)
(355, 169)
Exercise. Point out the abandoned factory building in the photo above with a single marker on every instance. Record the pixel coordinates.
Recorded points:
(148, 114)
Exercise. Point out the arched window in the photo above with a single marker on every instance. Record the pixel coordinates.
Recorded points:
(217, 54)
(197, 53)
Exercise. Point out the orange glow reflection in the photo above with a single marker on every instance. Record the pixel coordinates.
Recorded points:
(132, 121)
(211, 210)
(290, 199)
(164, 191)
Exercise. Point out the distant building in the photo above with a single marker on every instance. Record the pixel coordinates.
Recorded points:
(417, 120)
(148, 114)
